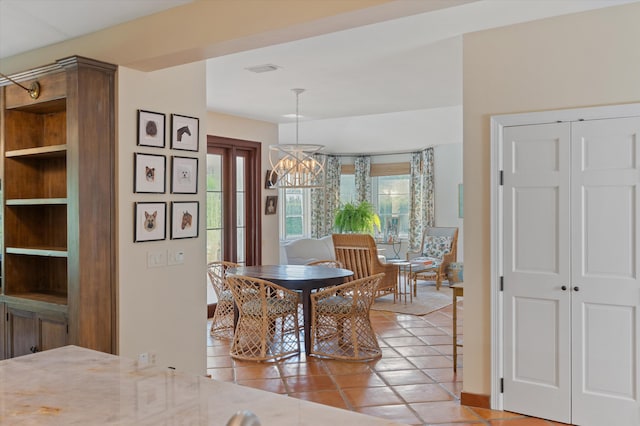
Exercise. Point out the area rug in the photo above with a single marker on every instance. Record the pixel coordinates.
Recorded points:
(428, 300)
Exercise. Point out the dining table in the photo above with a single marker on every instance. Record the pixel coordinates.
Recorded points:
(302, 278)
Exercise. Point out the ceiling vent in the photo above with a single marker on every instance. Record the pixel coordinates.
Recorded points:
(263, 68)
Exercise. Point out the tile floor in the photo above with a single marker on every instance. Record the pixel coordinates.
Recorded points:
(412, 383)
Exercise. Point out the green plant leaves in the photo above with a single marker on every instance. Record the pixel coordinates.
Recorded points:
(357, 219)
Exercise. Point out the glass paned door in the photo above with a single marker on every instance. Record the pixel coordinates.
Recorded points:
(233, 200)
(214, 207)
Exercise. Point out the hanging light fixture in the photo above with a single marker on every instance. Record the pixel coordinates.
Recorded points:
(293, 165)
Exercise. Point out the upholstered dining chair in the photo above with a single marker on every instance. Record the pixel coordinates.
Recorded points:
(327, 262)
(267, 327)
(359, 253)
(222, 323)
(441, 245)
(340, 323)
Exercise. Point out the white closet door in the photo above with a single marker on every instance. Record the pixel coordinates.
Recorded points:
(605, 285)
(537, 316)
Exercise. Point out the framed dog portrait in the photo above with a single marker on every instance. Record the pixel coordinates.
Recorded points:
(149, 173)
(184, 132)
(271, 206)
(184, 219)
(150, 222)
(184, 175)
(151, 127)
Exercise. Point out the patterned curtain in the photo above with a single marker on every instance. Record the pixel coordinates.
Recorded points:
(325, 200)
(363, 178)
(415, 208)
(428, 200)
(422, 209)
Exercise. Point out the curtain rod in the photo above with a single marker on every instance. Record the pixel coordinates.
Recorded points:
(380, 154)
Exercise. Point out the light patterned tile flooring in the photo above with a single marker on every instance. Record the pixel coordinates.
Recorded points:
(412, 383)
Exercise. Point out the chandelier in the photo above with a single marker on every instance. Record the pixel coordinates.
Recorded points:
(293, 165)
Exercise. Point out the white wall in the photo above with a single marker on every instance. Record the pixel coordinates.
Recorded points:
(578, 60)
(161, 310)
(448, 175)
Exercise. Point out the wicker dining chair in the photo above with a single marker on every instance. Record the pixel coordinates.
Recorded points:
(340, 323)
(267, 327)
(222, 323)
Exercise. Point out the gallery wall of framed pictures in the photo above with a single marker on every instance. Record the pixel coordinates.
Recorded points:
(152, 171)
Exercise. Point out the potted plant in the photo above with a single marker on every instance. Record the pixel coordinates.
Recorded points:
(361, 218)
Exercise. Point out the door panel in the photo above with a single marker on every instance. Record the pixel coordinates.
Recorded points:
(22, 332)
(606, 294)
(537, 373)
(53, 332)
(2, 328)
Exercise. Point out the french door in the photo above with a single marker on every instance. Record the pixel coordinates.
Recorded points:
(233, 200)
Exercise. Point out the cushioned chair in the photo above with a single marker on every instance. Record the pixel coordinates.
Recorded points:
(267, 326)
(358, 253)
(328, 262)
(222, 324)
(340, 324)
(441, 245)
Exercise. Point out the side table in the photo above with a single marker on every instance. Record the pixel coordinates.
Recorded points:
(458, 291)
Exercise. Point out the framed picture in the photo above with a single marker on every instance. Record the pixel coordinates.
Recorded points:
(150, 222)
(184, 175)
(151, 128)
(149, 173)
(271, 207)
(270, 180)
(184, 219)
(184, 132)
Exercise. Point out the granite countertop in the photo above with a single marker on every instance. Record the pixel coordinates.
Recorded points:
(73, 385)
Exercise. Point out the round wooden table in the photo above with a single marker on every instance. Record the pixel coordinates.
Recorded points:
(303, 278)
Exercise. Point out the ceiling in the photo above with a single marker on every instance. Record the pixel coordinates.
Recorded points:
(380, 71)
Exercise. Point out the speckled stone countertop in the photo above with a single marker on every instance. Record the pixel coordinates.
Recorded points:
(78, 386)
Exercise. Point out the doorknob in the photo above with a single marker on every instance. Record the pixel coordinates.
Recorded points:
(576, 288)
(563, 288)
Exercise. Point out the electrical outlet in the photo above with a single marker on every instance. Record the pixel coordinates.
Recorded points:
(143, 358)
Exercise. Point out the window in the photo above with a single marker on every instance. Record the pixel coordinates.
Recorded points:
(391, 199)
(389, 192)
(295, 213)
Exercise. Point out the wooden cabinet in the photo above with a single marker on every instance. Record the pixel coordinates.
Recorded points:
(59, 207)
(2, 341)
(29, 332)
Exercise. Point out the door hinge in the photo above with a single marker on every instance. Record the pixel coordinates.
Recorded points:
(501, 283)
(501, 385)
(501, 177)
(7, 316)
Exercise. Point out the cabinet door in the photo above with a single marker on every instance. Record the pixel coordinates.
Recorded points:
(52, 332)
(22, 332)
(2, 327)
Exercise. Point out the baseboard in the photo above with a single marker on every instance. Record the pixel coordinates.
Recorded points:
(475, 400)
(211, 309)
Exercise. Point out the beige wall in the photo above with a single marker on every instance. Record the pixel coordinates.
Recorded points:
(257, 131)
(578, 60)
(161, 310)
